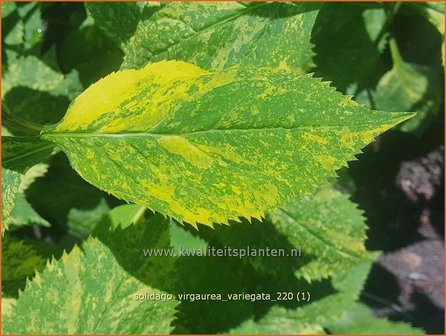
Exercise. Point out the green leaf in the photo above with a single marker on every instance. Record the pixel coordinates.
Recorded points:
(33, 27)
(23, 25)
(24, 214)
(8, 8)
(32, 73)
(20, 260)
(117, 20)
(7, 304)
(19, 154)
(433, 12)
(233, 275)
(216, 35)
(37, 93)
(126, 215)
(327, 229)
(224, 131)
(68, 201)
(82, 222)
(350, 58)
(35, 106)
(180, 238)
(89, 52)
(359, 320)
(408, 87)
(73, 299)
(311, 317)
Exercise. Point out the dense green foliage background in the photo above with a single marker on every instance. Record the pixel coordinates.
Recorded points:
(72, 256)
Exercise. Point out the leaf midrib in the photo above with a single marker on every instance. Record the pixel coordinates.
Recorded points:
(149, 134)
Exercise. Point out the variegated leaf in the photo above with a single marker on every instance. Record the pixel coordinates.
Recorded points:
(206, 147)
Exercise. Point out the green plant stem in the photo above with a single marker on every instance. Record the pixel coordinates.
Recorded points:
(396, 56)
(394, 51)
(18, 124)
(391, 13)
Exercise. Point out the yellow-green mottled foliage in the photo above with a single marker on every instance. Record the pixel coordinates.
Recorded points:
(20, 261)
(93, 288)
(310, 318)
(337, 313)
(212, 35)
(209, 147)
(330, 227)
(327, 228)
(19, 154)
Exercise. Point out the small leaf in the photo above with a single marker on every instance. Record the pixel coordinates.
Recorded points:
(211, 147)
(350, 58)
(20, 260)
(408, 87)
(180, 238)
(19, 154)
(118, 20)
(68, 201)
(24, 214)
(126, 215)
(8, 8)
(32, 73)
(23, 25)
(82, 222)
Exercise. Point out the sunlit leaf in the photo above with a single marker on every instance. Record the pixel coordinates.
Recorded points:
(211, 147)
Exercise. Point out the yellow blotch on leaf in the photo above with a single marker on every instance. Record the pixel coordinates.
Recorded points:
(105, 95)
(311, 137)
(179, 145)
(326, 161)
(226, 152)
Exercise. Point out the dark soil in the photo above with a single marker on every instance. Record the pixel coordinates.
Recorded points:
(406, 283)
